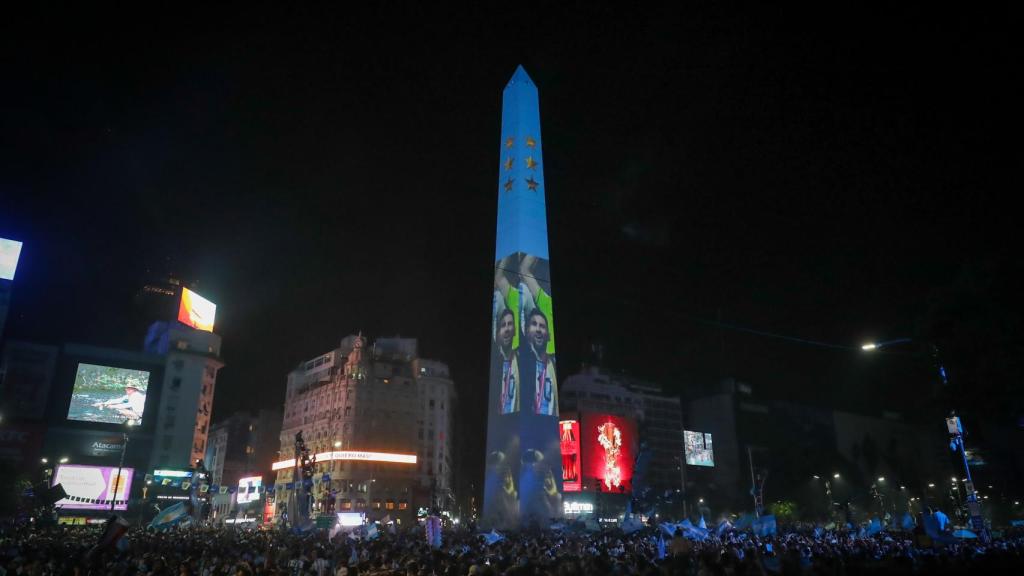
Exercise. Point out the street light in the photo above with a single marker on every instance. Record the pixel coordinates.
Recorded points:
(931, 485)
(881, 478)
(44, 460)
(816, 477)
(64, 460)
(871, 346)
(836, 475)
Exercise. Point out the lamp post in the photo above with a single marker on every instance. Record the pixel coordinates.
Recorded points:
(120, 463)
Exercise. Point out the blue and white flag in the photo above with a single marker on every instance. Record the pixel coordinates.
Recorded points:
(702, 525)
(372, 532)
(169, 517)
(492, 537)
(874, 527)
(661, 547)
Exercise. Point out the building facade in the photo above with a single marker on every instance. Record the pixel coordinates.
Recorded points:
(379, 420)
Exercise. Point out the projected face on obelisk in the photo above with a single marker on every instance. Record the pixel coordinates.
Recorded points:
(523, 473)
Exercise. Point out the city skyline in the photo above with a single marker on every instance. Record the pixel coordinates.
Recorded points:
(745, 172)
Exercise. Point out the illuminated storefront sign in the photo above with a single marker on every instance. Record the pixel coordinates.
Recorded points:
(578, 507)
(570, 446)
(352, 455)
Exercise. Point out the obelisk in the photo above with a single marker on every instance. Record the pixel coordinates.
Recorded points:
(523, 476)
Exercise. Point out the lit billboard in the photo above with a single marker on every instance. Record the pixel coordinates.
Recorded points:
(569, 432)
(609, 447)
(248, 489)
(10, 251)
(698, 448)
(196, 311)
(93, 487)
(108, 394)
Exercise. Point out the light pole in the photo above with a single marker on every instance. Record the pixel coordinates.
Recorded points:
(120, 464)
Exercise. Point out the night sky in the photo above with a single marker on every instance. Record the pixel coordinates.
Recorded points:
(828, 176)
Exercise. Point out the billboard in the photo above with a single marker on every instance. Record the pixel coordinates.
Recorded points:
(92, 487)
(248, 489)
(609, 449)
(196, 311)
(570, 445)
(108, 394)
(697, 446)
(10, 251)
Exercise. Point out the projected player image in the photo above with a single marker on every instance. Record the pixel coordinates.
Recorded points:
(698, 448)
(108, 394)
(523, 343)
(196, 311)
(10, 252)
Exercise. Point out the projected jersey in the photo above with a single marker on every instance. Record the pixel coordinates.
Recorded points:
(523, 479)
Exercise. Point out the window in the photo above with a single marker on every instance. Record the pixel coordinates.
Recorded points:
(376, 504)
(431, 402)
(390, 505)
(346, 504)
(176, 383)
(402, 505)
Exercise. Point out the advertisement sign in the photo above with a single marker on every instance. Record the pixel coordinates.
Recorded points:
(196, 311)
(92, 487)
(248, 489)
(570, 445)
(609, 448)
(697, 446)
(10, 251)
(108, 394)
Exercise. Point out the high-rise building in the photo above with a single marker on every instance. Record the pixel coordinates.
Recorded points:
(523, 476)
(240, 452)
(190, 378)
(379, 420)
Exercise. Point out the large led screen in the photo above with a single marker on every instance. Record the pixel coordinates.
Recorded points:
(248, 489)
(93, 487)
(609, 447)
(570, 446)
(698, 448)
(10, 251)
(524, 475)
(196, 311)
(108, 394)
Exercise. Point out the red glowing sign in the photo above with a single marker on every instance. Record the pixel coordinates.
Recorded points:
(570, 443)
(609, 444)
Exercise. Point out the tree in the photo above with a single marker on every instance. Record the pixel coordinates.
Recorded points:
(785, 511)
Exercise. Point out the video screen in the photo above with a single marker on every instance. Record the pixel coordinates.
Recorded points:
(108, 395)
(698, 448)
(570, 446)
(248, 489)
(93, 487)
(196, 311)
(609, 444)
(10, 251)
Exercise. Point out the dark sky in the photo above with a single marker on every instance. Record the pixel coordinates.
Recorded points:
(824, 175)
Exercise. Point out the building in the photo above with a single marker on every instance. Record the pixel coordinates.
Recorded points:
(823, 459)
(242, 446)
(379, 420)
(658, 418)
(192, 359)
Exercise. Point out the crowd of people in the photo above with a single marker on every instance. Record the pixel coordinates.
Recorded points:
(74, 550)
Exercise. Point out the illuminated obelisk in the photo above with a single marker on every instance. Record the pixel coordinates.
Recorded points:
(523, 476)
